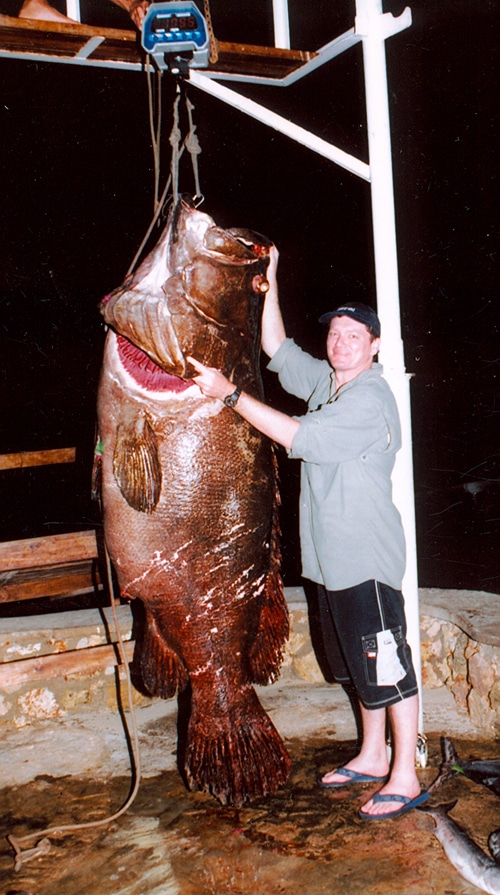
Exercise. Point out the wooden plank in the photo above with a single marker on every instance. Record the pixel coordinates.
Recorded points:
(269, 62)
(84, 661)
(63, 581)
(22, 459)
(50, 550)
(67, 41)
(64, 40)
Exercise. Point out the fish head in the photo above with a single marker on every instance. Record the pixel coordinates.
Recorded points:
(200, 293)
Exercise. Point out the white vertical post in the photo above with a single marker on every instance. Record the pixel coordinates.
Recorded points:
(374, 27)
(73, 10)
(281, 24)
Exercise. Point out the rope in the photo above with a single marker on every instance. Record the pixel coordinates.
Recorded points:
(43, 847)
(155, 130)
(193, 147)
(192, 144)
(175, 138)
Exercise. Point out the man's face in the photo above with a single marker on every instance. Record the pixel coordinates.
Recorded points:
(349, 347)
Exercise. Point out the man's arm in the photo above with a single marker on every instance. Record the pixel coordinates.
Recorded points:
(276, 425)
(273, 328)
(136, 9)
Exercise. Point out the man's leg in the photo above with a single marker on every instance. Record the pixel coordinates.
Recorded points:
(372, 757)
(41, 9)
(403, 780)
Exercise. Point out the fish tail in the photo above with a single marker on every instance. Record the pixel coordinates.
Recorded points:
(235, 757)
(162, 671)
(449, 752)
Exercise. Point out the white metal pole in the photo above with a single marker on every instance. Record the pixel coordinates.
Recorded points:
(281, 24)
(374, 27)
(73, 10)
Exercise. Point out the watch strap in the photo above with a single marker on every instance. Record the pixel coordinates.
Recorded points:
(231, 400)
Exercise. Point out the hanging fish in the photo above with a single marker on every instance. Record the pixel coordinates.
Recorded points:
(190, 499)
(472, 863)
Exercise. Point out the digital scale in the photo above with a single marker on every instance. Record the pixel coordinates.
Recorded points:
(175, 33)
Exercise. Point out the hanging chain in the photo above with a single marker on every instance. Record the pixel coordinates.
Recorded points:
(214, 43)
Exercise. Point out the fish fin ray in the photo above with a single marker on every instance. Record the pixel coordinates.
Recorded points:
(162, 671)
(137, 467)
(96, 478)
(266, 654)
(236, 757)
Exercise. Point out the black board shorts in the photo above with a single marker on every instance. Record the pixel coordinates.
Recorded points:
(356, 625)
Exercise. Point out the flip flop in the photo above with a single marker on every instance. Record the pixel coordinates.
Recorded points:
(408, 804)
(353, 777)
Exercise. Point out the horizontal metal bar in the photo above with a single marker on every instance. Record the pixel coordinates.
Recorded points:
(72, 60)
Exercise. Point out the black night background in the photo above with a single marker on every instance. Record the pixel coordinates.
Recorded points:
(76, 181)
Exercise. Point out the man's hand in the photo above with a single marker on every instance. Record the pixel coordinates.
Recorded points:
(270, 422)
(137, 12)
(211, 382)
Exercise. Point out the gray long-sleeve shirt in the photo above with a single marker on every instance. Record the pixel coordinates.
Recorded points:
(350, 530)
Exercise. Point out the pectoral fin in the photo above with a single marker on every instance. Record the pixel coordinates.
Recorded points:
(136, 465)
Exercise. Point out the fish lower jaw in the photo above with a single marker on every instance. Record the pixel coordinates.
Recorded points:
(133, 385)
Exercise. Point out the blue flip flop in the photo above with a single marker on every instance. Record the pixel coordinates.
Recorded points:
(408, 804)
(353, 777)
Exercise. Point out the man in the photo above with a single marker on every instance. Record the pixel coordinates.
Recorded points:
(352, 540)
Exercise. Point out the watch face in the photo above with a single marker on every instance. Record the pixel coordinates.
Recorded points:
(230, 401)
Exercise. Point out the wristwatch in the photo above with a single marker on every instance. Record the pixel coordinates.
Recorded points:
(230, 400)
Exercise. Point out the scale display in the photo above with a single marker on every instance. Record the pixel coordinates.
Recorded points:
(176, 28)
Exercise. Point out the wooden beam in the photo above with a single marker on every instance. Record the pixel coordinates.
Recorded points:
(82, 661)
(90, 45)
(33, 553)
(54, 582)
(61, 39)
(22, 459)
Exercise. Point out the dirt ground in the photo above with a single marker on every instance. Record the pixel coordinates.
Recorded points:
(300, 841)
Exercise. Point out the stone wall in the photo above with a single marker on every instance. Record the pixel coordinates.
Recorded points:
(460, 644)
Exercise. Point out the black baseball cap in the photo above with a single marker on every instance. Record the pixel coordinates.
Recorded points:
(358, 311)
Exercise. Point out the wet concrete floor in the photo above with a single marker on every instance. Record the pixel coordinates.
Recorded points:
(300, 841)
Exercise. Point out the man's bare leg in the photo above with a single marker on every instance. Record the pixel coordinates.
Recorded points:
(403, 780)
(372, 757)
(40, 9)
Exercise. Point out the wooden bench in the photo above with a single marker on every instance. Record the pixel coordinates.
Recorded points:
(54, 566)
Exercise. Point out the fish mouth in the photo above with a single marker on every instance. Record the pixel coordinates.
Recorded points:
(145, 372)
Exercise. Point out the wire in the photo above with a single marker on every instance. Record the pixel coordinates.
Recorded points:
(22, 856)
